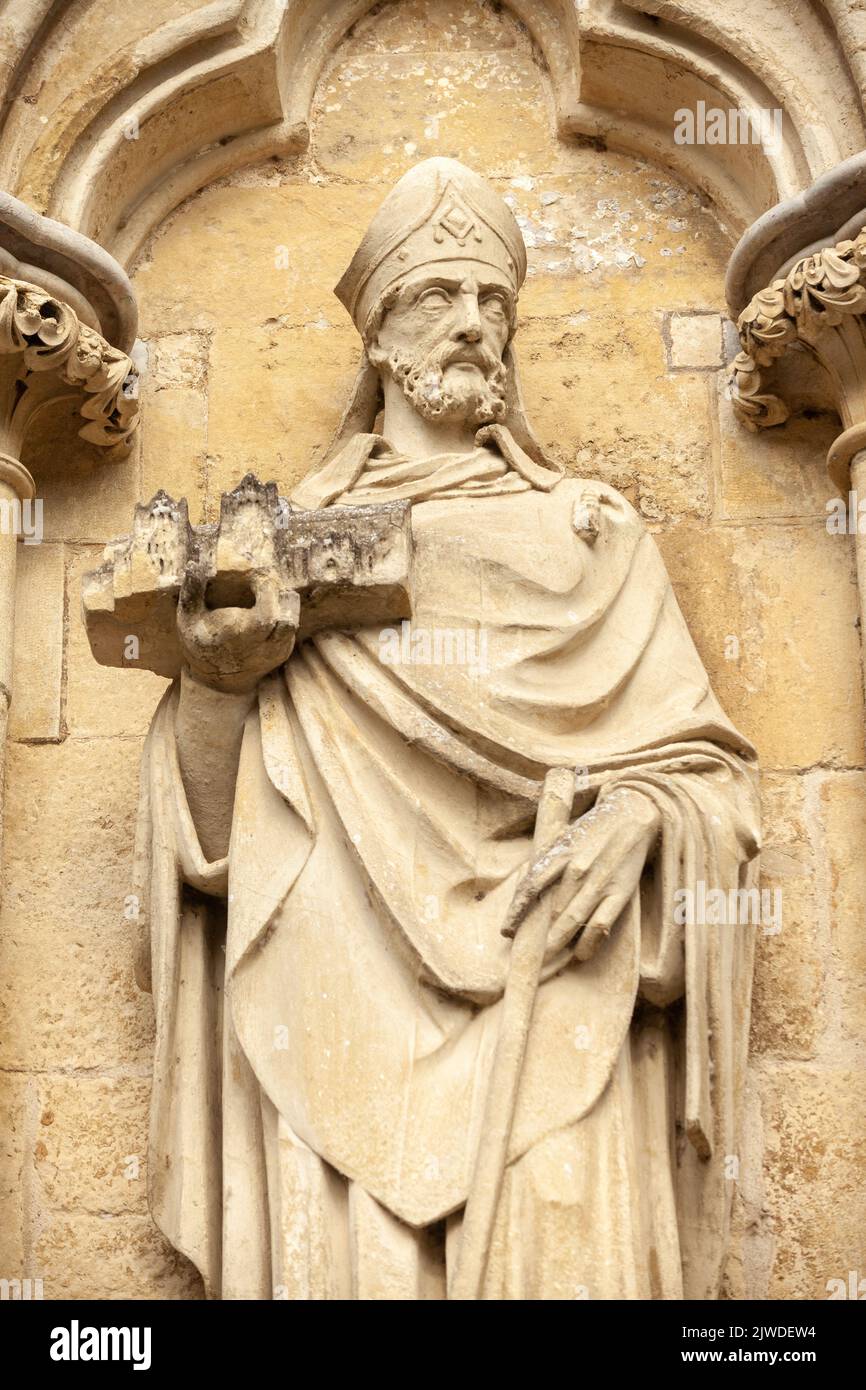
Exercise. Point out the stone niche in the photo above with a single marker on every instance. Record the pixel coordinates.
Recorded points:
(250, 358)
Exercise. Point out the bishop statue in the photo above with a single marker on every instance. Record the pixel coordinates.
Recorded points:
(341, 842)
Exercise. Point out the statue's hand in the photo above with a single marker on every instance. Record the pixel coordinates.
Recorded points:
(597, 863)
(231, 648)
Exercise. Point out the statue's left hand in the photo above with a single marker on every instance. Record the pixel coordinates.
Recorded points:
(597, 864)
(231, 648)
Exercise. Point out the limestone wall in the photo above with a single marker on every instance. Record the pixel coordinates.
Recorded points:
(250, 358)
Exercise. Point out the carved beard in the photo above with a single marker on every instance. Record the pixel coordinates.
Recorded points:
(423, 382)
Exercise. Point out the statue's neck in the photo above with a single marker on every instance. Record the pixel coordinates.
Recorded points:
(417, 438)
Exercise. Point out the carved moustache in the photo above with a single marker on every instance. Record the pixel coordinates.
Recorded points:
(445, 354)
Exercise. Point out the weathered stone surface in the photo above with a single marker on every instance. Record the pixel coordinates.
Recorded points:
(250, 360)
(174, 412)
(416, 26)
(67, 997)
(575, 371)
(90, 1150)
(788, 1002)
(786, 596)
(196, 276)
(276, 399)
(334, 567)
(752, 1246)
(843, 809)
(785, 477)
(15, 1102)
(815, 1138)
(614, 233)
(110, 1257)
(428, 104)
(4, 723)
(53, 115)
(38, 664)
(85, 497)
(694, 341)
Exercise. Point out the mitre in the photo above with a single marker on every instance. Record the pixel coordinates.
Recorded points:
(439, 211)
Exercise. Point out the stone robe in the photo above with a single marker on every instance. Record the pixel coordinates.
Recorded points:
(328, 996)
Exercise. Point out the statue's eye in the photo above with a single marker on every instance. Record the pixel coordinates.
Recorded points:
(494, 305)
(435, 298)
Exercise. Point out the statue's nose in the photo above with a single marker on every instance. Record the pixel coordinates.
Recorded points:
(469, 324)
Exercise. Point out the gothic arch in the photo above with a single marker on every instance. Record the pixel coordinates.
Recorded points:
(205, 89)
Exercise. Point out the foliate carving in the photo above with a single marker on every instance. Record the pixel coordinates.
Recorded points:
(817, 294)
(50, 337)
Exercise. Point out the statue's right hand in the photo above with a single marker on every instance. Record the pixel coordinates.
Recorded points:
(231, 649)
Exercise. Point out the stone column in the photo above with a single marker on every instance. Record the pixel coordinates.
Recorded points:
(817, 308)
(51, 347)
(15, 485)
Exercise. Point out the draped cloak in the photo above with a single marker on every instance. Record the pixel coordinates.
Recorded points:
(327, 996)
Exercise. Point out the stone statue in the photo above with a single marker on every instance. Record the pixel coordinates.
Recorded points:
(341, 842)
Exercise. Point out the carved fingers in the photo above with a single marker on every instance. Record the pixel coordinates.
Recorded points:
(544, 871)
(592, 870)
(591, 899)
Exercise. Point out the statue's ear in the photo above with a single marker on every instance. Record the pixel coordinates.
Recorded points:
(515, 412)
(365, 402)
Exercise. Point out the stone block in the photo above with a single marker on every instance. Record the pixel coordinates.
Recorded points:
(658, 452)
(843, 806)
(780, 472)
(787, 1002)
(111, 1257)
(68, 997)
(174, 413)
(254, 257)
(815, 1155)
(15, 1103)
(694, 342)
(773, 612)
(277, 396)
(90, 1152)
(38, 665)
(85, 495)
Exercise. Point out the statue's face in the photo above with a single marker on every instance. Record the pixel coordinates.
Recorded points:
(443, 338)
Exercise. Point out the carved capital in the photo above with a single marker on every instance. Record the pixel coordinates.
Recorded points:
(822, 292)
(47, 352)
